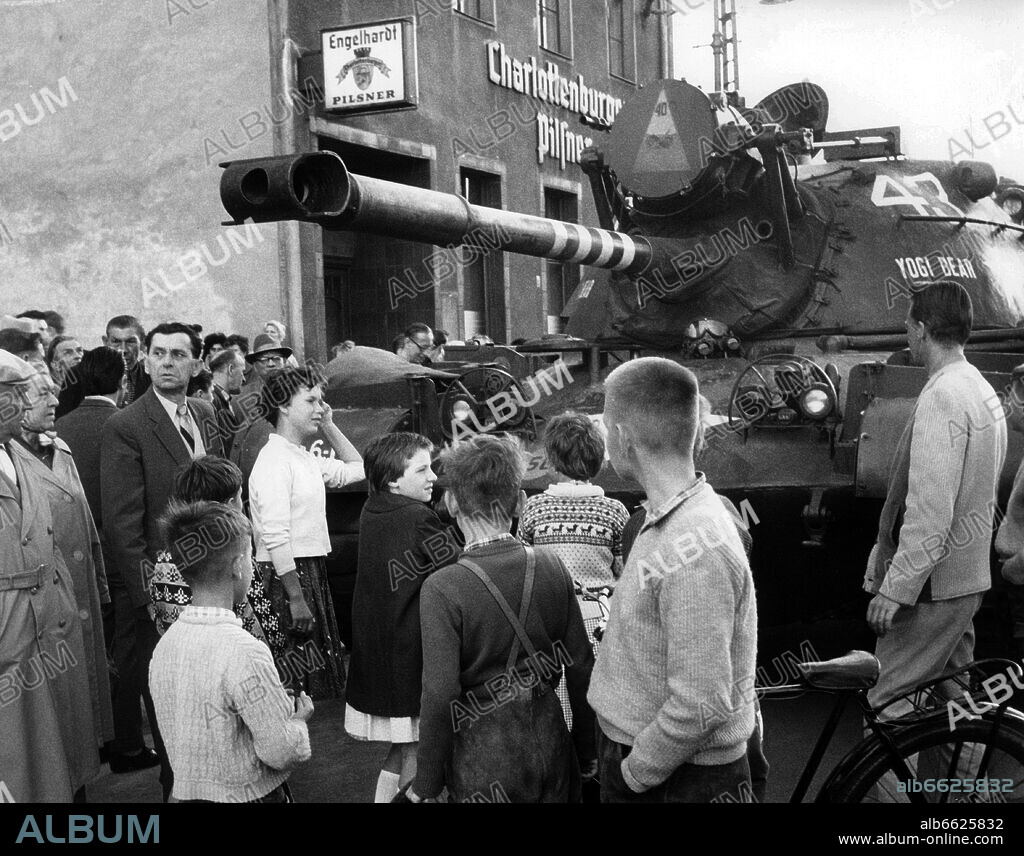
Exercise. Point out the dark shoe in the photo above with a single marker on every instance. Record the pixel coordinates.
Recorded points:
(130, 763)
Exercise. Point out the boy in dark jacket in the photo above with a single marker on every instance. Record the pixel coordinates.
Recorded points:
(500, 624)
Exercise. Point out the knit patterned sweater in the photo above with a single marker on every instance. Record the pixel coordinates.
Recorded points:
(675, 677)
(582, 526)
(227, 722)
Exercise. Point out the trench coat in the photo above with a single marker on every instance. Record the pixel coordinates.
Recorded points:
(79, 543)
(47, 737)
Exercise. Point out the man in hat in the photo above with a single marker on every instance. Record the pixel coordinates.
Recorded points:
(1010, 537)
(267, 355)
(47, 747)
(25, 346)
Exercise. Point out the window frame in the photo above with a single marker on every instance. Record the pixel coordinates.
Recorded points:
(565, 193)
(565, 47)
(492, 22)
(629, 58)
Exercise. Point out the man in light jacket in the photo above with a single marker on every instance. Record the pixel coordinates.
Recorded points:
(929, 568)
(47, 746)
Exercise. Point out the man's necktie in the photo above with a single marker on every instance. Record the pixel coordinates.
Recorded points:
(183, 421)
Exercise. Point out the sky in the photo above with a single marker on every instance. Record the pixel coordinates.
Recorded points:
(937, 68)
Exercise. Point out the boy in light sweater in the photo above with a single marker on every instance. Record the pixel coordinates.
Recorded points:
(231, 730)
(673, 689)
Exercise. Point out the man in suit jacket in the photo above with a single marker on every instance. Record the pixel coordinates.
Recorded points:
(99, 374)
(228, 368)
(125, 334)
(143, 446)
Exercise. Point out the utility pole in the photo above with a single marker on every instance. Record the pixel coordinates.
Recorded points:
(725, 47)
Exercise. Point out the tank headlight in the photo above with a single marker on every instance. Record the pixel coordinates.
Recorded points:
(461, 410)
(816, 403)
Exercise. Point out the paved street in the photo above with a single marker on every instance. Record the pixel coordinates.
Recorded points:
(345, 770)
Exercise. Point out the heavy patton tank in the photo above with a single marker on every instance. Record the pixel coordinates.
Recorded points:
(772, 257)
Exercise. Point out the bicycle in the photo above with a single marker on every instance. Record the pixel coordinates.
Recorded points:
(601, 595)
(893, 750)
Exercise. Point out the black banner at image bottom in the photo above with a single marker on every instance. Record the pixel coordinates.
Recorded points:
(315, 825)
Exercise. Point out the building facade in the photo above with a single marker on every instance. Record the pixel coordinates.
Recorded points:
(110, 115)
(112, 126)
(501, 89)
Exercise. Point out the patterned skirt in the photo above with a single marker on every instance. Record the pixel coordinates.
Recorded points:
(314, 664)
(170, 594)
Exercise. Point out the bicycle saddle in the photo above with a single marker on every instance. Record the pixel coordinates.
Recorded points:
(857, 670)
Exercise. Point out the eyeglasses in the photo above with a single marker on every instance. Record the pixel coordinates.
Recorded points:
(276, 359)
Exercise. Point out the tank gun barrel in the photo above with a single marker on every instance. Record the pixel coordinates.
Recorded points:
(317, 187)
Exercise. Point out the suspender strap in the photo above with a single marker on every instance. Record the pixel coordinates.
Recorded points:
(518, 624)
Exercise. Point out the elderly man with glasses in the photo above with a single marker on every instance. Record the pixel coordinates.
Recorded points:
(416, 344)
(267, 355)
(47, 750)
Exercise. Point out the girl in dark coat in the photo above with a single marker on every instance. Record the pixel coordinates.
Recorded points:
(401, 541)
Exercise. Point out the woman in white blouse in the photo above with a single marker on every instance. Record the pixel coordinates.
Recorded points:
(288, 505)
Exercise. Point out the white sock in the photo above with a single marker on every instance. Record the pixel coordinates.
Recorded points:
(387, 786)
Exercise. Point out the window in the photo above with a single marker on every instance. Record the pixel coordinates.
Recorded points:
(483, 275)
(556, 26)
(482, 10)
(561, 278)
(621, 46)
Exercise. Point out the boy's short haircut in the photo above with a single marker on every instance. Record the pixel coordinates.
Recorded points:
(484, 471)
(202, 536)
(574, 446)
(207, 479)
(386, 458)
(658, 400)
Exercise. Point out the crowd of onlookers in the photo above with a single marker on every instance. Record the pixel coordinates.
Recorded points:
(197, 587)
(88, 464)
(164, 544)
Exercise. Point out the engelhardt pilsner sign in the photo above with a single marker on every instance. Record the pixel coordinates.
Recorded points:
(370, 67)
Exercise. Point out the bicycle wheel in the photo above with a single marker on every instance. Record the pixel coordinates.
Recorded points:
(971, 752)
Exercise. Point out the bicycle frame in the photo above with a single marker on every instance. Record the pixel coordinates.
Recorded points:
(882, 732)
